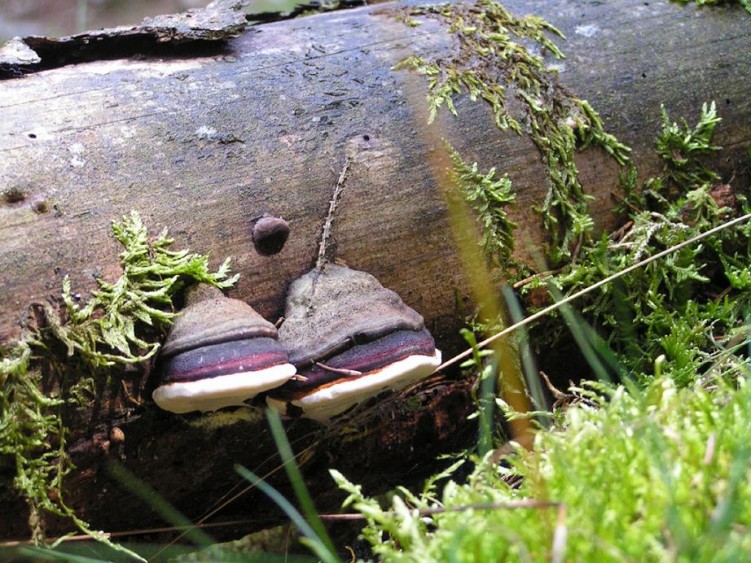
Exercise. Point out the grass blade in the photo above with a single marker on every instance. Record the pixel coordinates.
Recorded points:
(315, 543)
(295, 477)
(168, 512)
(525, 353)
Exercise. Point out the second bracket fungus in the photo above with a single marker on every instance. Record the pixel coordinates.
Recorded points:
(219, 353)
(350, 338)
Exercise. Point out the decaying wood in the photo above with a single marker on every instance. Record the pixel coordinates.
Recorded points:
(204, 144)
(216, 22)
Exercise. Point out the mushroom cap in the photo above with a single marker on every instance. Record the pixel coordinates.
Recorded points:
(212, 318)
(219, 353)
(331, 309)
(358, 361)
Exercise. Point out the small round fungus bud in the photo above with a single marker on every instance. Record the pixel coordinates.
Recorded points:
(269, 235)
(40, 205)
(117, 436)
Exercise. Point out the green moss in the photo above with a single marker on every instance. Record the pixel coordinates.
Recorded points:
(623, 475)
(105, 331)
(746, 4)
(689, 306)
(79, 349)
(682, 150)
(491, 60)
(489, 197)
(211, 422)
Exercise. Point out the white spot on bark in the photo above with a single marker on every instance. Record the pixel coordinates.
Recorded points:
(127, 132)
(76, 150)
(589, 30)
(205, 132)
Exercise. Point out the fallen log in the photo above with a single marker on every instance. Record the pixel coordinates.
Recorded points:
(206, 142)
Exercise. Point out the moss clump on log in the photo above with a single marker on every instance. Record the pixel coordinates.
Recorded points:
(70, 354)
(491, 57)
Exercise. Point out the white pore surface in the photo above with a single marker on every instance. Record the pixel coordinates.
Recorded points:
(221, 391)
(329, 401)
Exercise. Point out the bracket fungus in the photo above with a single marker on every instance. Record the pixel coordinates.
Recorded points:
(219, 353)
(349, 338)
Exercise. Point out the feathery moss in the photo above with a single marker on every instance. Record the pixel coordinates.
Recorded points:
(492, 59)
(77, 349)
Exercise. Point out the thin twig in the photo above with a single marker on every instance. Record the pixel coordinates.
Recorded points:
(533, 277)
(340, 371)
(130, 397)
(625, 202)
(134, 532)
(560, 536)
(333, 204)
(541, 313)
(509, 505)
(557, 394)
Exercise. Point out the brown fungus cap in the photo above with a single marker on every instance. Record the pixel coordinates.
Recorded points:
(270, 234)
(212, 318)
(328, 310)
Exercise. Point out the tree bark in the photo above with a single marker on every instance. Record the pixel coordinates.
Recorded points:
(204, 144)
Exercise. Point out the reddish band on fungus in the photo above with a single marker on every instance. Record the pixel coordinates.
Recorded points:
(362, 358)
(221, 359)
(219, 353)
